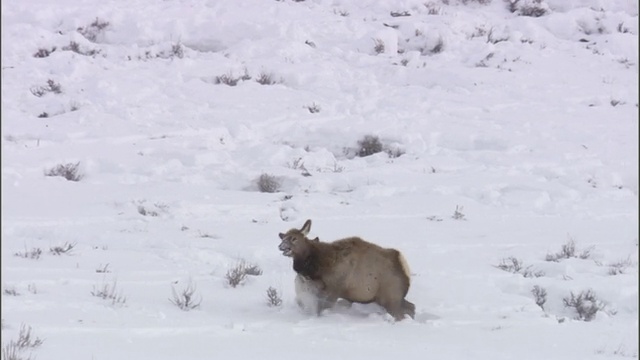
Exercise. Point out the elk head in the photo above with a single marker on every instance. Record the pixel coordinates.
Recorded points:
(295, 241)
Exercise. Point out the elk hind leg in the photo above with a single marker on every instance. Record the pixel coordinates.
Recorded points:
(409, 308)
(394, 308)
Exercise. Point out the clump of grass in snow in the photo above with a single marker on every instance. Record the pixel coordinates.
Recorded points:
(110, 292)
(15, 349)
(186, 299)
(34, 253)
(313, 108)
(457, 214)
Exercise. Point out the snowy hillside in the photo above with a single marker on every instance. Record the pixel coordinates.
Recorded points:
(494, 143)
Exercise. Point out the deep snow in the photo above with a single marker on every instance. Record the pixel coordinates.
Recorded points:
(528, 126)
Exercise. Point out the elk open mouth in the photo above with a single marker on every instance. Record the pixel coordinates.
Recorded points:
(285, 248)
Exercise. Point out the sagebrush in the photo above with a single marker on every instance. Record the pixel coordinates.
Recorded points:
(540, 295)
(273, 298)
(568, 251)
(268, 183)
(239, 272)
(66, 248)
(586, 304)
(69, 171)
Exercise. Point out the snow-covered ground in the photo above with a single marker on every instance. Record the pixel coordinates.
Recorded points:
(517, 135)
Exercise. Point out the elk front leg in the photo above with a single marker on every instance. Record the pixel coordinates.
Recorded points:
(326, 300)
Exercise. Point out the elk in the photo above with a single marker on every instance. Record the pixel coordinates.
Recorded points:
(352, 269)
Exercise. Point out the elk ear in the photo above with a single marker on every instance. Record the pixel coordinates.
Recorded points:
(317, 239)
(281, 236)
(306, 227)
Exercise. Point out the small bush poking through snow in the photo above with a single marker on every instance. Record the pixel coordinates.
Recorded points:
(52, 86)
(438, 47)
(313, 108)
(586, 305)
(399, 13)
(369, 145)
(532, 8)
(75, 47)
(515, 266)
(186, 299)
(32, 288)
(619, 267)
(69, 171)
(34, 253)
(146, 212)
(15, 349)
(43, 53)
(378, 46)
(265, 79)
(237, 274)
(103, 269)
(273, 298)
(528, 273)
(94, 30)
(268, 183)
(540, 296)
(457, 214)
(67, 248)
(109, 292)
(568, 251)
(25, 339)
(227, 79)
(11, 291)
(12, 352)
(395, 152)
(510, 264)
(177, 50)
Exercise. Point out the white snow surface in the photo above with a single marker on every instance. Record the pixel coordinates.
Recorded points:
(525, 127)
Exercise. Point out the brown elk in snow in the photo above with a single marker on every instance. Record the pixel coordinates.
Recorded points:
(351, 269)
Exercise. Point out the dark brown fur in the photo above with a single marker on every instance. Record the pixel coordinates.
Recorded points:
(351, 269)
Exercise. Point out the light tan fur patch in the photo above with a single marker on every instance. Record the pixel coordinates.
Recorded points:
(405, 266)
